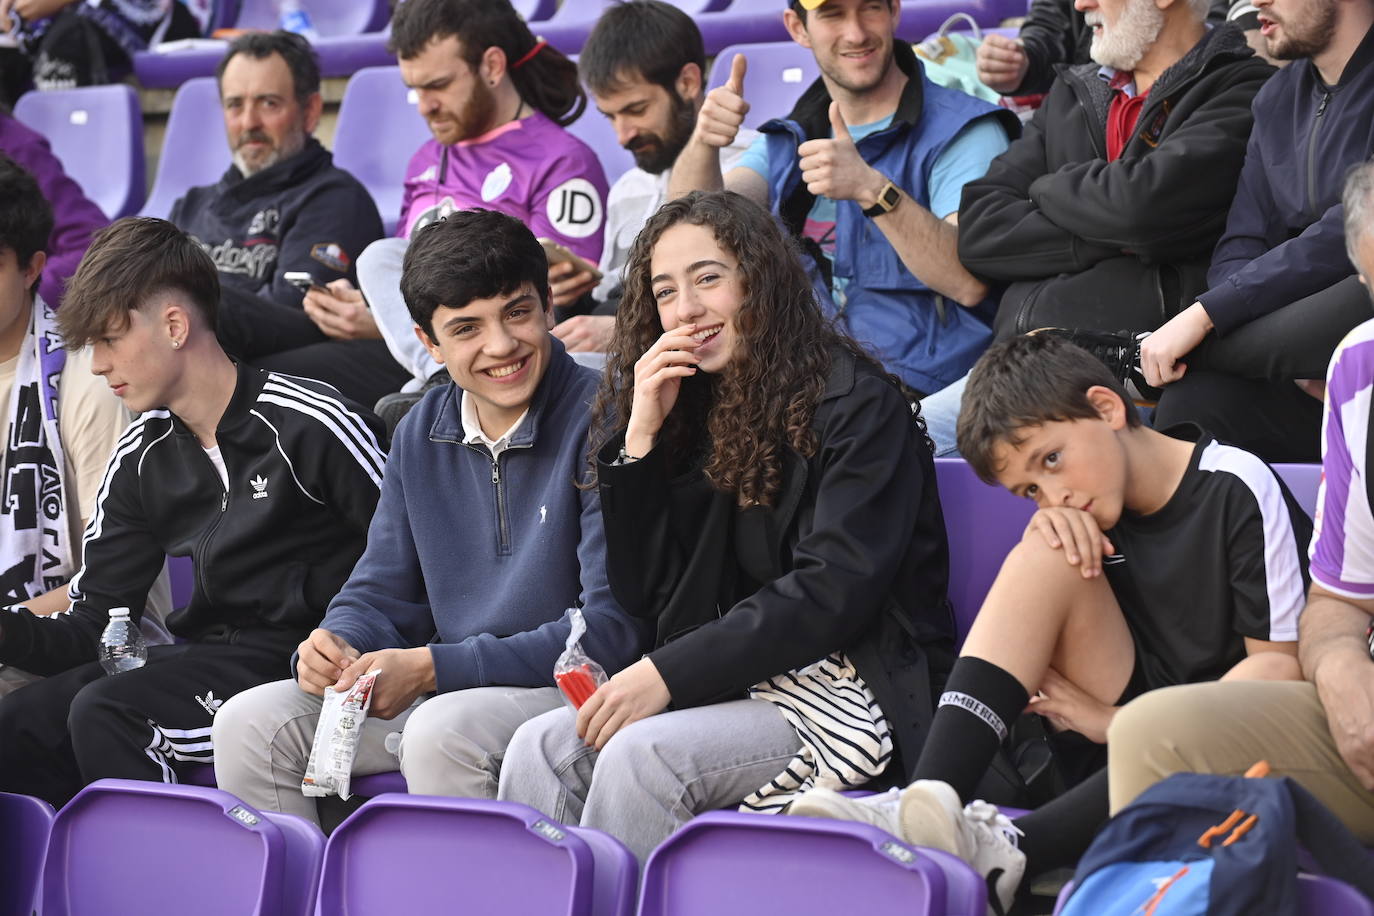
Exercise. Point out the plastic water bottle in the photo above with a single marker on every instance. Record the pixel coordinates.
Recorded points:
(121, 645)
(292, 17)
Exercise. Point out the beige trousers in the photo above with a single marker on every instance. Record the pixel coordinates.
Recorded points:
(1224, 728)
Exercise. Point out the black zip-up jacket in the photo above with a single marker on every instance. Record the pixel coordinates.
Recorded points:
(852, 556)
(302, 214)
(1285, 237)
(305, 471)
(1086, 243)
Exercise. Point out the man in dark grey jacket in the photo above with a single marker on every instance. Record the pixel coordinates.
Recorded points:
(284, 207)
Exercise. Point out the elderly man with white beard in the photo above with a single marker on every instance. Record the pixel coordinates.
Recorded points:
(1102, 217)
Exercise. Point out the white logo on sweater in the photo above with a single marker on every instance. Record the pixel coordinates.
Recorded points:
(259, 487)
(496, 182)
(543, 513)
(210, 702)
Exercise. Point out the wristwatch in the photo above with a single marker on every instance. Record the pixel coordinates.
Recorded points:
(888, 199)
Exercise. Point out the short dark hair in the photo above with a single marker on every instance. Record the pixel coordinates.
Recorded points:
(545, 77)
(640, 38)
(26, 215)
(128, 263)
(294, 50)
(469, 255)
(1023, 382)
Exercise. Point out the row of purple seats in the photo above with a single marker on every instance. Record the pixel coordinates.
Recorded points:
(123, 847)
(722, 22)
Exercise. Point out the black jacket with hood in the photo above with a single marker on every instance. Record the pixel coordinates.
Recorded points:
(852, 555)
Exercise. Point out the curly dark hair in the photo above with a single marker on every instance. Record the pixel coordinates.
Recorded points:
(765, 399)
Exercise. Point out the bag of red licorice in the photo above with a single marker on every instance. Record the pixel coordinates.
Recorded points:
(575, 672)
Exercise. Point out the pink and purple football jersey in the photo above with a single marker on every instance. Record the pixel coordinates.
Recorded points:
(531, 169)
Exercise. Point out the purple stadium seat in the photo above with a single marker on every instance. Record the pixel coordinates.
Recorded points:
(97, 133)
(124, 847)
(329, 17)
(378, 784)
(344, 55)
(195, 150)
(595, 130)
(422, 854)
(779, 72)
(1303, 481)
(377, 132)
(731, 864)
(1317, 896)
(24, 826)
(982, 523)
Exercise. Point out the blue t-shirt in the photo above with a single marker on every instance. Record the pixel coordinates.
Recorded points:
(965, 158)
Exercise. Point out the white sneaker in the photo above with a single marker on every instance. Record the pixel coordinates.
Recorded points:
(879, 810)
(985, 838)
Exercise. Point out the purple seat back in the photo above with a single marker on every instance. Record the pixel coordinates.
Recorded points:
(378, 784)
(1318, 895)
(595, 130)
(713, 864)
(779, 72)
(24, 826)
(535, 11)
(377, 132)
(125, 847)
(983, 523)
(329, 17)
(423, 854)
(1304, 481)
(97, 133)
(195, 150)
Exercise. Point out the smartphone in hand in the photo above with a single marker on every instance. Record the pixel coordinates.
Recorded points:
(303, 281)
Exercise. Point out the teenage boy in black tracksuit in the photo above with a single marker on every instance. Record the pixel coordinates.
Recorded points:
(268, 482)
(1283, 292)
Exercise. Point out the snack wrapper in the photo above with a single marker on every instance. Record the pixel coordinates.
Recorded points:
(574, 672)
(336, 738)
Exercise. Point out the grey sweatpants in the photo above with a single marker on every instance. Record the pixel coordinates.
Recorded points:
(451, 744)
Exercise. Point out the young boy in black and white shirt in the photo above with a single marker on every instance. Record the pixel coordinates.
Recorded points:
(1153, 560)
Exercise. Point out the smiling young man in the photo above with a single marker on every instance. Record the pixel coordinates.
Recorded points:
(644, 66)
(481, 542)
(866, 171)
(267, 482)
(283, 206)
(1153, 560)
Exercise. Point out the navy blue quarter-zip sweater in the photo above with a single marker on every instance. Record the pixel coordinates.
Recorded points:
(1284, 237)
(479, 558)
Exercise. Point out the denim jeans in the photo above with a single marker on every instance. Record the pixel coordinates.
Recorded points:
(654, 775)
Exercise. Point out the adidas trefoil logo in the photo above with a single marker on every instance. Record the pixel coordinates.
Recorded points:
(259, 487)
(210, 702)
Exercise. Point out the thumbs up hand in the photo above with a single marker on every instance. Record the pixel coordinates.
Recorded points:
(833, 168)
(723, 112)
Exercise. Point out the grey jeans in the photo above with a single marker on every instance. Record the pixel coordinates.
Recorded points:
(451, 744)
(654, 775)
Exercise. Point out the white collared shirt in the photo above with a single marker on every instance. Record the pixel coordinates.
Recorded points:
(472, 429)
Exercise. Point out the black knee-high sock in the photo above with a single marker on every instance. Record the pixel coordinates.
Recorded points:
(977, 708)
(1058, 833)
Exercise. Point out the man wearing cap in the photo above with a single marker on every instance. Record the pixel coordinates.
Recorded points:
(866, 171)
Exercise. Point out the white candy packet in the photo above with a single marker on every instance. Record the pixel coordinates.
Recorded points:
(336, 738)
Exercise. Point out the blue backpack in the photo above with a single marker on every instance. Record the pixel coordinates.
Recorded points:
(1219, 845)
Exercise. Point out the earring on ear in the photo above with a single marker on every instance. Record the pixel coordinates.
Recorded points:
(176, 345)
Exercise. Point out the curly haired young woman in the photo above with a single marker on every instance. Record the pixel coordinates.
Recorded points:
(769, 501)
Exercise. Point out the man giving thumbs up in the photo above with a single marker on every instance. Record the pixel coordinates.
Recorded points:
(866, 171)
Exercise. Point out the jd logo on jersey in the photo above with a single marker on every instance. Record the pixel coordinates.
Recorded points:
(574, 208)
